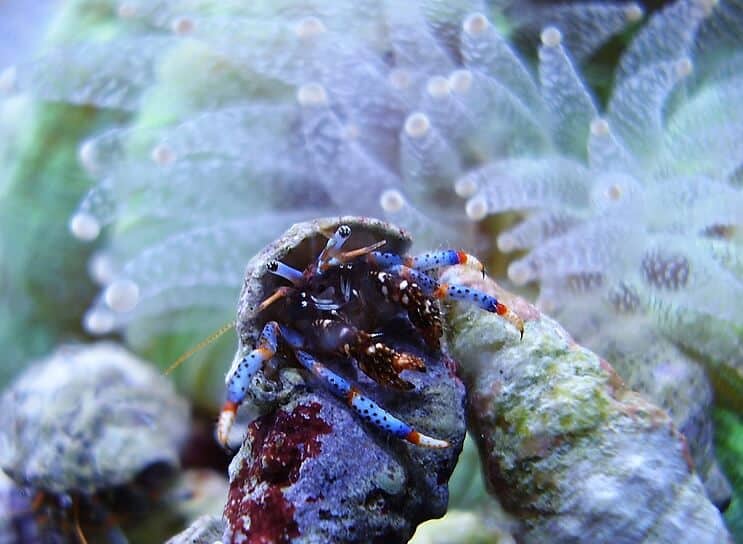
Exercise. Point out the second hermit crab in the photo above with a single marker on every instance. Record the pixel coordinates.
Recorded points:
(344, 305)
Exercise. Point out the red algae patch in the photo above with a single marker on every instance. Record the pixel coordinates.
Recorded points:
(281, 442)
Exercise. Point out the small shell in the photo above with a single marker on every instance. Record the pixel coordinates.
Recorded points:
(88, 418)
(567, 447)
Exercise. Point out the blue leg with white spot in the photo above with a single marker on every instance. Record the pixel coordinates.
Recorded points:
(366, 408)
(427, 284)
(427, 261)
(240, 375)
(446, 257)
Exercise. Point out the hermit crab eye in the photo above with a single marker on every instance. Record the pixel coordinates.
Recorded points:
(272, 266)
(344, 231)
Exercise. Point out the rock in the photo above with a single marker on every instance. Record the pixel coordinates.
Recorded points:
(205, 530)
(567, 448)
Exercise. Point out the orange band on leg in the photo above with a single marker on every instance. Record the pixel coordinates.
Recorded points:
(441, 291)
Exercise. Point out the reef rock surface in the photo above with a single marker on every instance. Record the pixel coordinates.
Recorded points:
(566, 446)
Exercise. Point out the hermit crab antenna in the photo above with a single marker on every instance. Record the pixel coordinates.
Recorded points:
(198, 347)
(350, 255)
(341, 235)
(280, 293)
(76, 516)
(285, 271)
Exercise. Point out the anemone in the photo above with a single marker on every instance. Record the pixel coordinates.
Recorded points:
(304, 108)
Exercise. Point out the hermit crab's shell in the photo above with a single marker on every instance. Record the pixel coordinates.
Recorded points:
(17, 516)
(297, 247)
(88, 418)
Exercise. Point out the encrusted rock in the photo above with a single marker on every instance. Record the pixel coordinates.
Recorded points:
(567, 448)
(204, 530)
(669, 377)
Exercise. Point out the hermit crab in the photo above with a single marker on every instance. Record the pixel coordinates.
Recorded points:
(354, 293)
(89, 439)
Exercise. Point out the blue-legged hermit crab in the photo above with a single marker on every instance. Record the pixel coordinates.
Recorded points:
(343, 304)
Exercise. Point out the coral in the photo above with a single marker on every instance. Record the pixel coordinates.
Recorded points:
(310, 469)
(567, 448)
(297, 477)
(652, 364)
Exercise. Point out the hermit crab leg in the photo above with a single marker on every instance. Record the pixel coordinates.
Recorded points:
(423, 312)
(428, 261)
(380, 362)
(443, 291)
(366, 408)
(239, 376)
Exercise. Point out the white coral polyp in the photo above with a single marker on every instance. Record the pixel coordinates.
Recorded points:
(99, 321)
(417, 125)
(477, 208)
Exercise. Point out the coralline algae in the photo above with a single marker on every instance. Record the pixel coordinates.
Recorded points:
(566, 447)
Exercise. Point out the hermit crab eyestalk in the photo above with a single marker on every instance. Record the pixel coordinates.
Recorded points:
(344, 231)
(334, 244)
(285, 271)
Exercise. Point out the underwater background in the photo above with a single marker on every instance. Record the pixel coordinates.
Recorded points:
(589, 153)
